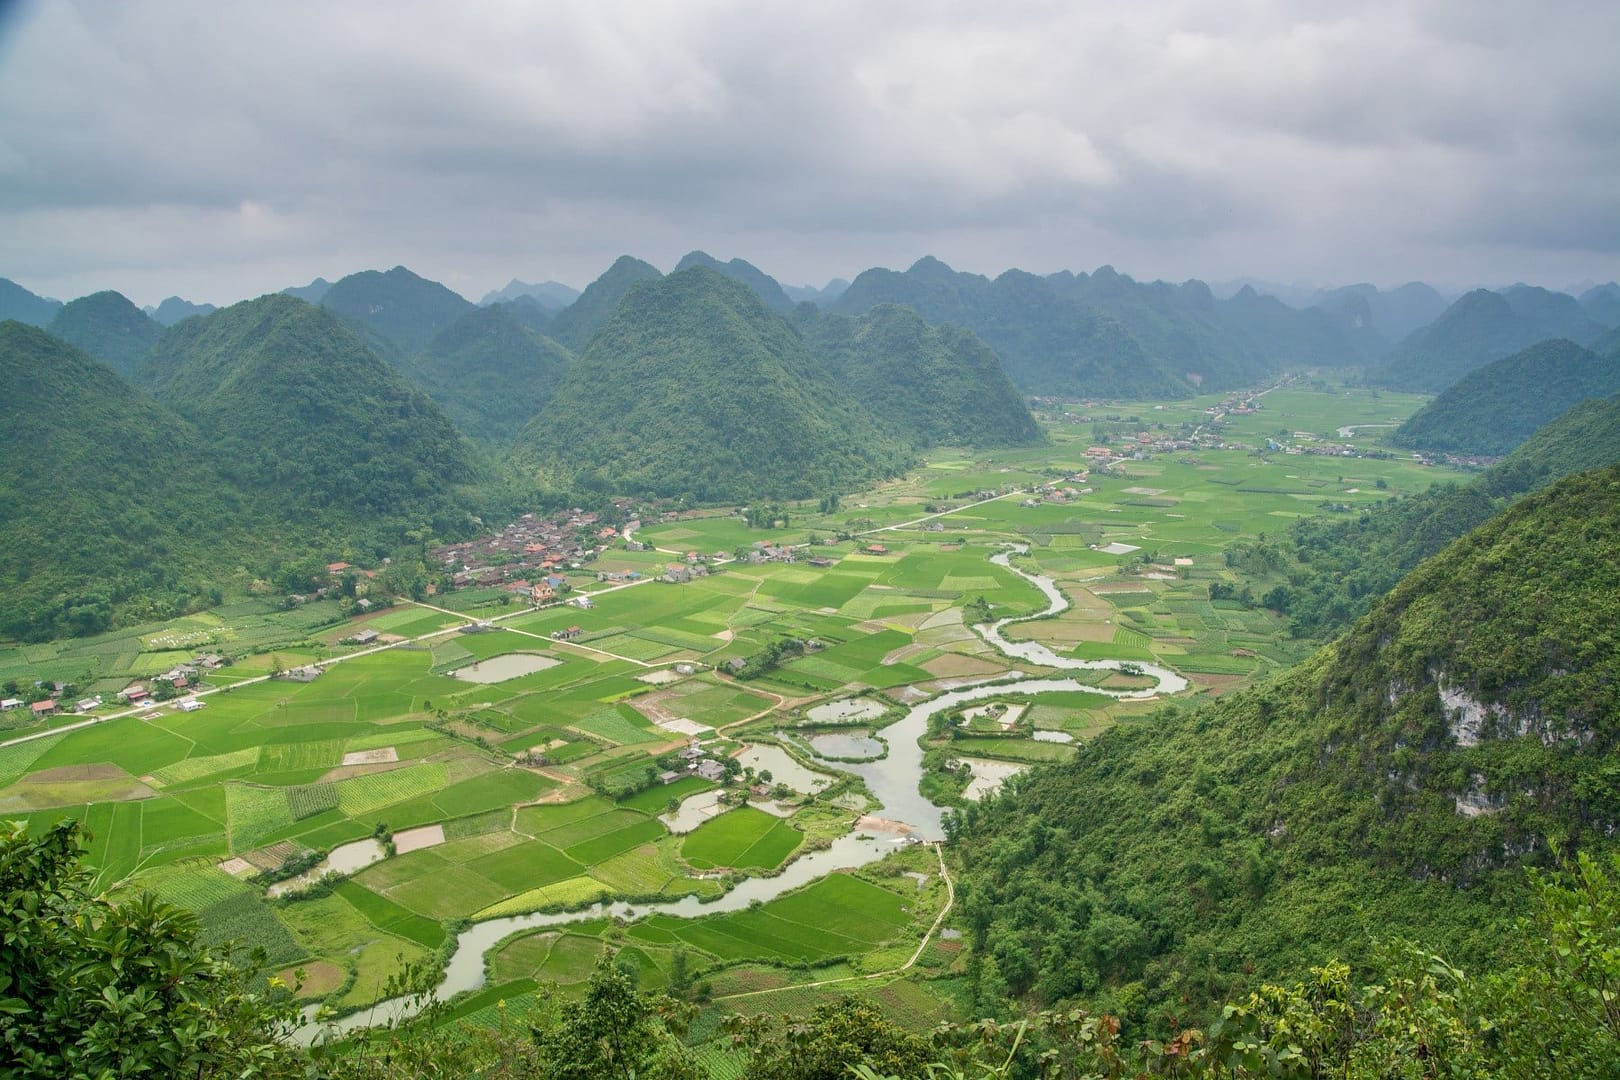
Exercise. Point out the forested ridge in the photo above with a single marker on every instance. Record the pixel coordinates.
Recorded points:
(299, 412)
(928, 385)
(1394, 784)
(489, 371)
(108, 327)
(1493, 409)
(119, 510)
(271, 433)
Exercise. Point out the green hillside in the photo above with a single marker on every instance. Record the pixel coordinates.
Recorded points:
(110, 505)
(489, 372)
(1585, 437)
(576, 324)
(401, 307)
(693, 388)
(301, 414)
(924, 384)
(1494, 408)
(1394, 784)
(108, 327)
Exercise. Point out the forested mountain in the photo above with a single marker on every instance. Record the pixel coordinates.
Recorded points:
(403, 308)
(767, 287)
(1480, 328)
(1393, 314)
(923, 384)
(551, 295)
(489, 371)
(576, 323)
(18, 303)
(1602, 303)
(313, 292)
(174, 309)
(1103, 334)
(109, 502)
(1494, 408)
(303, 416)
(108, 327)
(1394, 784)
(692, 387)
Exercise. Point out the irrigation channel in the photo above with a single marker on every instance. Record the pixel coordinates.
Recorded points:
(892, 780)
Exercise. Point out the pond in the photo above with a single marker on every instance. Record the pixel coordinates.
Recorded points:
(506, 666)
(344, 859)
(783, 768)
(833, 745)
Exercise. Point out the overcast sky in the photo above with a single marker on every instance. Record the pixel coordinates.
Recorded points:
(221, 149)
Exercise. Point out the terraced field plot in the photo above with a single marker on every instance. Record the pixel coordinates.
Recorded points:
(744, 838)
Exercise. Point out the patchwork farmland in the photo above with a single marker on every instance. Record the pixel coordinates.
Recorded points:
(567, 786)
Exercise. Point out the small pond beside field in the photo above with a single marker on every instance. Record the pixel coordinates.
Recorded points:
(500, 668)
(862, 747)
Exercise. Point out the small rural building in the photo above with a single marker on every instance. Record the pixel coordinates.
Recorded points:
(710, 770)
(86, 704)
(11, 703)
(44, 708)
(365, 637)
(876, 549)
(191, 704)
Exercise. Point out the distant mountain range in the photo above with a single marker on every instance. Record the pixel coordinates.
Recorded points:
(1106, 335)
(1479, 328)
(174, 309)
(551, 295)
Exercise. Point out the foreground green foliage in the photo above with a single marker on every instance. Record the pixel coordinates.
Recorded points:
(91, 988)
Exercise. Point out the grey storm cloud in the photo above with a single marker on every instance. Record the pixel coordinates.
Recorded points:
(220, 150)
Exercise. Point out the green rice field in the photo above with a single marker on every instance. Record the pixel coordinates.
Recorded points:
(546, 790)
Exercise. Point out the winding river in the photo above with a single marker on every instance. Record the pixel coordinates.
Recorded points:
(891, 780)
